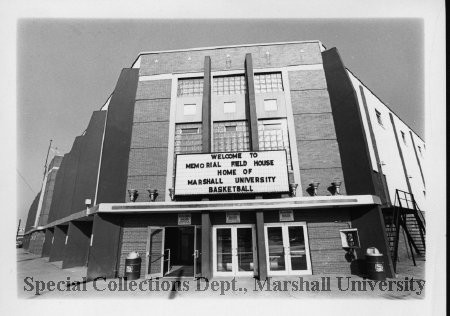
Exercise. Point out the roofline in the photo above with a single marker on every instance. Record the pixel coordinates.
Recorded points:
(221, 47)
(389, 108)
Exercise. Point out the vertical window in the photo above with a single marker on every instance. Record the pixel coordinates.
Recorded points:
(231, 136)
(268, 82)
(379, 119)
(273, 135)
(190, 87)
(403, 137)
(188, 138)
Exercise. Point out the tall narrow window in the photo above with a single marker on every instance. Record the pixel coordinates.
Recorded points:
(273, 135)
(403, 137)
(379, 118)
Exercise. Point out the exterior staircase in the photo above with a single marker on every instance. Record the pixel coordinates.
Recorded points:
(405, 217)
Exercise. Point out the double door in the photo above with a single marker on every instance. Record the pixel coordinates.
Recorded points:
(158, 255)
(234, 250)
(287, 249)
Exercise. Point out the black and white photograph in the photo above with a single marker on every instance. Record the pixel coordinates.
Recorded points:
(217, 158)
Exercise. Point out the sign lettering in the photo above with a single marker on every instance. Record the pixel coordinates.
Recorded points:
(232, 173)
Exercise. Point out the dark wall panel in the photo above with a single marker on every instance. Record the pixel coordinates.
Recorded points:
(32, 213)
(71, 171)
(116, 144)
(54, 212)
(104, 252)
(46, 249)
(59, 242)
(350, 132)
(86, 180)
(372, 233)
(77, 248)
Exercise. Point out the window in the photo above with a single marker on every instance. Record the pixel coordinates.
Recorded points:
(379, 119)
(231, 136)
(229, 107)
(273, 135)
(403, 137)
(188, 138)
(270, 105)
(190, 87)
(225, 85)
(189, 109)
(268, 82)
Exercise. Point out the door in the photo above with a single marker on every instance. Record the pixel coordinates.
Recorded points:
(287, 249)
(197, 252)
(155, 252)
(234, 250)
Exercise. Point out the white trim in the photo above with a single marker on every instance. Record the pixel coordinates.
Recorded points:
(171, 140)
(155, 77)
(313, 202)
(41, 201)
(101, 153)
(316, 202)
(291, 130)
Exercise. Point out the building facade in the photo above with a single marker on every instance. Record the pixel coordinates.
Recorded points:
(251, 160)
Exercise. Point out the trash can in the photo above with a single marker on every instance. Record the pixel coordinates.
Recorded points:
(133, 266)
(375, 264)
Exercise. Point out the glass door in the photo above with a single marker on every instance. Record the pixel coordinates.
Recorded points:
(155, 252)
(234, 252)
(287, 249)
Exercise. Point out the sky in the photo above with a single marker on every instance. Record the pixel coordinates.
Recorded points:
(67, 68)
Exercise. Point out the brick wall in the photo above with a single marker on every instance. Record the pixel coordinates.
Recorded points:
(317, 146)
(193, 61)
(147, 166)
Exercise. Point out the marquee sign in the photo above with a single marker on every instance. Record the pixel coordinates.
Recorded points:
(231, 173)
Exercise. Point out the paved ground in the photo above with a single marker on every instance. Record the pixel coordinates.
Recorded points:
(37, 275)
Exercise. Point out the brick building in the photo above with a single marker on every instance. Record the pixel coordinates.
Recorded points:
(250, 160)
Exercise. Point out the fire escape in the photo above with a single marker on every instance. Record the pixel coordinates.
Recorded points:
(405, 214)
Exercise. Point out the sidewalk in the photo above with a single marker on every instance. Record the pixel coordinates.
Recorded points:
(298, 287)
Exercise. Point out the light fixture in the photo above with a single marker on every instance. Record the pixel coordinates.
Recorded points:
(293, 189)
(153, 193)
(172, 193)
(133, 194)
(337, 187)
(315, 186)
